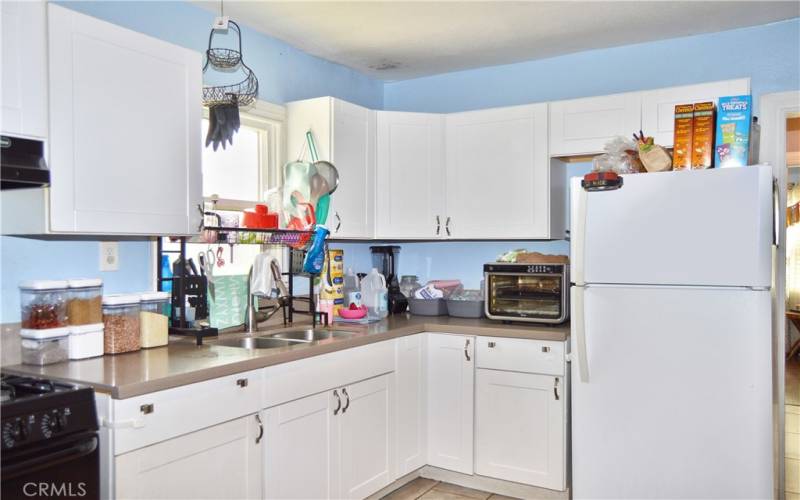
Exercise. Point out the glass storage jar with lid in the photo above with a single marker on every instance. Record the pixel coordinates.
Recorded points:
(121, 323)
(85, 302)
(43, 304)
(154, 322)
(44, 346)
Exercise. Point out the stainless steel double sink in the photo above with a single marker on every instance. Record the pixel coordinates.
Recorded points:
(283, 338)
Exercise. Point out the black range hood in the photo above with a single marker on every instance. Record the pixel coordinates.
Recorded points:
(22, 163)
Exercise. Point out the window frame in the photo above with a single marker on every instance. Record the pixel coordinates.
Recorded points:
(271, 119)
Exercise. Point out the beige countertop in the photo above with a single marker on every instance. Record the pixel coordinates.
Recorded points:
(182, 362)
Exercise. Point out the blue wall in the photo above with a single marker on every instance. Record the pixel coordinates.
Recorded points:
(768, 54)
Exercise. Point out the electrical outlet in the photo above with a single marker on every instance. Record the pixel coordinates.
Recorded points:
(109, 256)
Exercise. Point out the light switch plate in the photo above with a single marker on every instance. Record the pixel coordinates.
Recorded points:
(109, 256)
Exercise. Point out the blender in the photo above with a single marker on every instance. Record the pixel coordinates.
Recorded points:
(384, 259)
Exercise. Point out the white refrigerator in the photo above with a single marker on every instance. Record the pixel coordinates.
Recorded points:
(671, 336)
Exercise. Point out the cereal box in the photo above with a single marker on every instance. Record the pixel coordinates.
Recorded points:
(733, 131)
(703, 135)
(682, 140)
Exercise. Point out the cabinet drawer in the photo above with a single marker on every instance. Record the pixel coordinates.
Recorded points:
(161, 415)
(520, 355)
(290, 381)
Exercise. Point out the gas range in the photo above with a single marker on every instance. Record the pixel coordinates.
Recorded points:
(35, 410)
(50, 445)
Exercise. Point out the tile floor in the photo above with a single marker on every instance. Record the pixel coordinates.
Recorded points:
(428, 489)
(792, 427)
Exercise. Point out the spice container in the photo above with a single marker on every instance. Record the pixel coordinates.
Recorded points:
(154, 323)
(86, 341)
(121, 323)
(43, 304)
(44, 346)
(85, 302)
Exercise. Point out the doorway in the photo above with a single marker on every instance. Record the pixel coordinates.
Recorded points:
(780, 147)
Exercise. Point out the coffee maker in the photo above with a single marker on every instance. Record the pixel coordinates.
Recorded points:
(384, 259)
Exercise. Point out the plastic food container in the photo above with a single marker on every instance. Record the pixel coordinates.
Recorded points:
(43, 304)
(465, 308)
(427, 307)
(86, 341)
(153, 319)
(44, 346)
(121, 323)
(85, 302)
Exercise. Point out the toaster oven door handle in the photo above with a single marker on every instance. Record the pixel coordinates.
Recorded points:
(579, 333)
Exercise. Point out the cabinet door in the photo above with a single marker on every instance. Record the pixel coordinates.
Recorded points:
(450, 380)
(498, 181)
(300, 438)
(23, 109)
(410, 377)
(520, 427)
(410, 182)
(658, 106)
(582, 126)
(223, 461)
(125, 113)
(352, 210)
(366, 436)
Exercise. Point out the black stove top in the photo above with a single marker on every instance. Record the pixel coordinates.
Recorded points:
(35, 410)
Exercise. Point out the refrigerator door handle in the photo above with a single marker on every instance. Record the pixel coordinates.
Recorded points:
(579, 332)
(776, 204)
(578, 234)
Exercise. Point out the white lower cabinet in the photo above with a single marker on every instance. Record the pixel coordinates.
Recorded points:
(520, 427)
(336, 444)
(222, 461)
(411, 403)
(450, 381)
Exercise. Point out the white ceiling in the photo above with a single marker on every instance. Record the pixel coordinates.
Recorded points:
(397, 40)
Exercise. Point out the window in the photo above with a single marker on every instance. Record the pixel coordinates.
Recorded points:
(240, 175)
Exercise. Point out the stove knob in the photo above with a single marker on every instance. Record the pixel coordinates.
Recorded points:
(61, 418)
(9, 434)
(57, 421)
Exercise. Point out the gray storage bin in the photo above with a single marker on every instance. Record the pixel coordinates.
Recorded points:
(465, 308)
(427, 307)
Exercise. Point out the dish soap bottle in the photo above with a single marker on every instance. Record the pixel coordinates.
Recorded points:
(375, 295)
(351, 291)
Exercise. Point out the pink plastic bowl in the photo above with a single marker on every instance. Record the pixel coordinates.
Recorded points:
(353, 313)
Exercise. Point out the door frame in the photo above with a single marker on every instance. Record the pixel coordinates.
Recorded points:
(774, 111)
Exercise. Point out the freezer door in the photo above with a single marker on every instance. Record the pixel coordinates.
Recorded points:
(675, 397)
(701, 227)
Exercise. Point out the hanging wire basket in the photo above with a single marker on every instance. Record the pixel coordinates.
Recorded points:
(242, 93)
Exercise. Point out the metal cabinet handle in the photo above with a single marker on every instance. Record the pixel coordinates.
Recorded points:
(347, 404)
(466, 350)
(447, 226)
(260, 429)
(438, 225)
(492, 344)
(147, 409)
(338, 221)
(338, 400)
(555, 389)
(242, 382)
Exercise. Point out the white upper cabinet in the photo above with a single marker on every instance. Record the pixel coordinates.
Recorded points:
(498, 174)
(23, 108)
(344, 134)
(411, 176)
(125, 130)
(582, 126)
(658, 106)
